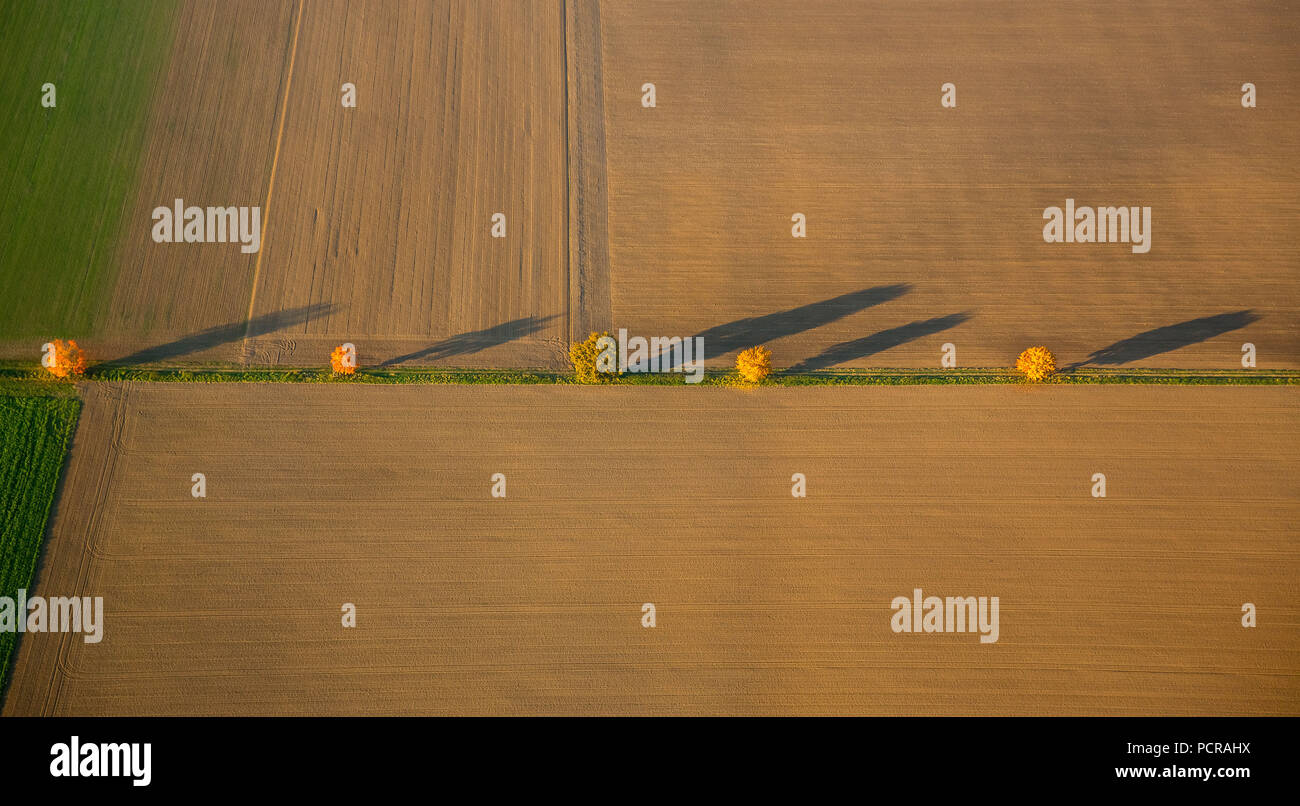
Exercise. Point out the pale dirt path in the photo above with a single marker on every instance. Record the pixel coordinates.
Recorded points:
(320, 495)
(270, 182)
(589, 291)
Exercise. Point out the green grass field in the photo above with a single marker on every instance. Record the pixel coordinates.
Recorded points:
(34, 437)
(67, 174)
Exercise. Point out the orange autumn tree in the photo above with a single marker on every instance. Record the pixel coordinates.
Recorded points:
(754, 364)
(343, 360)
(64, 359)
(1037, 363)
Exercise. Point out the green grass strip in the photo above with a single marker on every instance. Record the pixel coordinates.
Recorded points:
(29, 375)
(34, 436)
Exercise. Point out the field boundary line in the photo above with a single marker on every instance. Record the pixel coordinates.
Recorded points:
(568, 171)
(588, 274)
(39, 380)
(270, 184)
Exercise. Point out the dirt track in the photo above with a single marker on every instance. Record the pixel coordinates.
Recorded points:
(319, 495)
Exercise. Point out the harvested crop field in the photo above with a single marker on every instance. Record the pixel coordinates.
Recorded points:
(210, 142)
(766, 604)
(381, 221)
(924, 223)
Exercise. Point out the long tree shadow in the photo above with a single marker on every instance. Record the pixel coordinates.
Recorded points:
(1170, 337)
(756, 330)
(879, 342)
(224, 334)
(476, 340)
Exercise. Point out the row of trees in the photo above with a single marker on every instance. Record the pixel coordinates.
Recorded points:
(64, 359)
(754, 364)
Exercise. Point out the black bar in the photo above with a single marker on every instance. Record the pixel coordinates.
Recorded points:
(332, 756)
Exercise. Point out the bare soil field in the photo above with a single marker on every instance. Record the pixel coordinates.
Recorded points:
(381, 218)
(379, 496)
(924, 224)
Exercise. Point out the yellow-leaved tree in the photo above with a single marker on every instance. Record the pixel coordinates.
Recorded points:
(754, 364)
(1037, 363)
(584, 355)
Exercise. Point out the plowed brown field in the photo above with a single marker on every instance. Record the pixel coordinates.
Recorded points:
(832, 109)
(381, 218)
(379, 496)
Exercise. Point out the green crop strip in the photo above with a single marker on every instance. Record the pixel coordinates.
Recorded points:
(34, 435)
(29, 375)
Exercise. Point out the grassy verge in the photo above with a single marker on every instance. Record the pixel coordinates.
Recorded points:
(19, 376)
(67, 173)
(34, 434)
(1176, 377)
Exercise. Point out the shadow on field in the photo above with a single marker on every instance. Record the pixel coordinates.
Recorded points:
(476, 340)
(1170, 337)
(879, 342)
(756, 330)
(224, 334)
